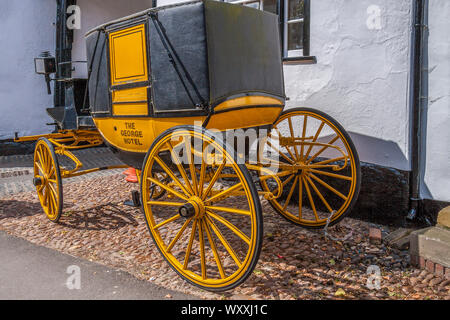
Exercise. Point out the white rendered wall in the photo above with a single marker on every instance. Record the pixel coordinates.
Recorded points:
(26, 30)
(437, 171)
(361, 75)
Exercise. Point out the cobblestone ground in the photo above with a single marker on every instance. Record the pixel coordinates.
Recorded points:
(294, 263)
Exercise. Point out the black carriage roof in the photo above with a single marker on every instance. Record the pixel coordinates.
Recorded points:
(222, 51)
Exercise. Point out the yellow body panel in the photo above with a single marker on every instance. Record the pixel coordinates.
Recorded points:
(137, 134)
(128, 55)
(245, 118)
(127, 95)
(127, 109)
(248, 101)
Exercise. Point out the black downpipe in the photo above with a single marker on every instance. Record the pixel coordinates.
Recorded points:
(418, 100)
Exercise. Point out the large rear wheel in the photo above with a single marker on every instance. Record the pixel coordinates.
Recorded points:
(208, 225)
(318, 165)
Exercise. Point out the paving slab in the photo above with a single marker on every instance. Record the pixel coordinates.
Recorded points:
(431, 244)
(32, 272)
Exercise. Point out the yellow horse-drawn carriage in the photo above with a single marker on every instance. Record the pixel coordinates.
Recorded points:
(174, 92)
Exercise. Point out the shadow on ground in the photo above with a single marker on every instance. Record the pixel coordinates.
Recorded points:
(103, 217)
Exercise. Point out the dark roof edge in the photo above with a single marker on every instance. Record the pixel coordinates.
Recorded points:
(139, 14)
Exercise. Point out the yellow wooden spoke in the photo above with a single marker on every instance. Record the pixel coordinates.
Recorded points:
(202, 250)
(54, 201)
(188, 144)
(288, 199)
(171, 174)
(189, 247)
(46, 157)
(323, 149)
(314, 140)
(39, 188)
(236, 187)
(311, 201)
(176, 193)
(45, 196)
(305, 123)
(284, 173)
(329, 161)
(326, 185)
(180, 167)
(280, 153)
(289, 151)
(225, 243)
(41, 161)
(213, 180)
(202, 171)
(52, 188)
(174, 218)
(230, 210)
(178, 235)
(52, 172)
(212, 243)
(40, 168)
(291, 129)
(334, 175)
(228, 224)
(319, 194)
(284, 183)
(49, 204)
(52, 181)
(165, 203)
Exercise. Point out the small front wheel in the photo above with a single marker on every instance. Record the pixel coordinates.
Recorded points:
(208, 225)
(47, 179)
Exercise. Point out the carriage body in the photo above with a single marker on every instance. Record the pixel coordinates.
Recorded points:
(207, 63)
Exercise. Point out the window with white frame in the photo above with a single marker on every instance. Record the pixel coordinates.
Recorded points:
(294, 25)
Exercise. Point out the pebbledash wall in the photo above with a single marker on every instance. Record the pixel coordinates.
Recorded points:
(361, 78)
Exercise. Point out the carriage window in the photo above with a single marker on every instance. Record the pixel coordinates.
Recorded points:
(294, 19)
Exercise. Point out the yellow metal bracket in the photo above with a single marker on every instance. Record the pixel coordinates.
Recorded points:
(65, 141)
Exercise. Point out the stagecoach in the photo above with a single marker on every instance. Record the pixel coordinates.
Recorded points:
(166, 86)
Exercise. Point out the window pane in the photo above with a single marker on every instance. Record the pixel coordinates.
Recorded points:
(253, 5)
(296, 9)
(295, 36)
(270, 6)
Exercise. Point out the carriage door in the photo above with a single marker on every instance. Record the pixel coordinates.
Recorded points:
(129, 72)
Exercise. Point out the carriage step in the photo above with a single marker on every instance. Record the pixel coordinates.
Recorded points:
(135, 201)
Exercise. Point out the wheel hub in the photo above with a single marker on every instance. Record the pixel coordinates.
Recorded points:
(193, 208)
(300, 172)
(38, 182)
